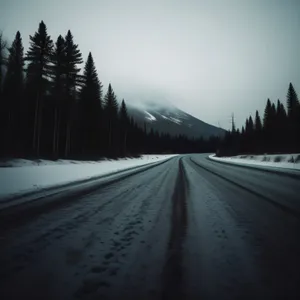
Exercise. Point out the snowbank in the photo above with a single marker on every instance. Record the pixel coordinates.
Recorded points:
(283, 161)
(20, 176)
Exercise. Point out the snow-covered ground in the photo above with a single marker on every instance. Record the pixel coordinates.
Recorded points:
(283, 161)
(150, 117)
(20, 176)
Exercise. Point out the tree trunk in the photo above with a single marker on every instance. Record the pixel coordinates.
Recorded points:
(67, 145)
(125, 143)
(57, 133)
(35, 122)
(109, 136)
(40, 113)
(54, 134)
(9, 134)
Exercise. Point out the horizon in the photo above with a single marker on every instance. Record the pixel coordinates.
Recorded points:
(208, 59)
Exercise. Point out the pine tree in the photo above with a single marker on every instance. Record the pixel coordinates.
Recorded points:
(3, 47)
(293, 118)
(39, 58)
(73, 59)
(13, 92)
(111, 117)
(268, 116)
(281, 127)
(58, 90)
(92, 87)
(90, 110)
(273, 112)
(3, 110)
(258, 124)
(250, 125)
(269, 126)
(273, 126)
(243, 130)
(233, 129)
(73, 80)
(14, 76)
(258, 132)
(292, 102)
(38, 71)
(124, 124)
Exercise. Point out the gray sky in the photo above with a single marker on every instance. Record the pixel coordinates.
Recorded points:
(209, 58)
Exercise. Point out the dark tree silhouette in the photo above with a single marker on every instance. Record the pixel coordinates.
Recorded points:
(281, 128)
(124, 126)
(73, 80)
(56, 112)
(3, 110)
(267, 115)
(258, 137)
(292, 102)
(258, 124)
(279, 133)
(12, 94)
(38, 72)
(3, 47)
(90, 111)
(58, 90)
(250, 125)
(267, 125)
(293, 117)
(111, 119)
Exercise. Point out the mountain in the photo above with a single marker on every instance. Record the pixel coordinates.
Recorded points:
(170, 119)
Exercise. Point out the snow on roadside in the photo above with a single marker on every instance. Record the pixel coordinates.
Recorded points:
(283, 161)
(20, 176)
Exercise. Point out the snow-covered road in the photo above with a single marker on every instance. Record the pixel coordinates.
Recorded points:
(188, 228)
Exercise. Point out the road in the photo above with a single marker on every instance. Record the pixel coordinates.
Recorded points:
(189, 228)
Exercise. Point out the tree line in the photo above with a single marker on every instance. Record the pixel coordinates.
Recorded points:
(278, 132)
(51, 109)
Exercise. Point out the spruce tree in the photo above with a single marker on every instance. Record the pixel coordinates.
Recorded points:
(124, 124)
(233, 129)
(3, 48)
(250, 125)
(3, 104)
(247, 126)
(258, 124)
(13, 92)
(258, 132)
(243, 130)
(73, 59)
(58, 90)
(273, 112)
(281, 127)
(14, 78)
(90, 110)
(73, 80)
(111, 119)
(58, 65)
(268, 116)
(269, 126)
(293, 118)
(292, 102)
(38, 71)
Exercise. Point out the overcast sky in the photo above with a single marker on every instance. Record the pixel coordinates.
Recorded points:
(209, 58)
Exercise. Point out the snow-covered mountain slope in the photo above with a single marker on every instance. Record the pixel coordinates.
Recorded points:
(169, 119)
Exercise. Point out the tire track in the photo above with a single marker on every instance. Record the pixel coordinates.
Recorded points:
(276, 204)
(18, 215)
(173, 273)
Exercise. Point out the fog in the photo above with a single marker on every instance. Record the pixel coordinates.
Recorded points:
(209, 58)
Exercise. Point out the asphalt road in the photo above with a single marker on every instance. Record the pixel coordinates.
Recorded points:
(188, 228)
